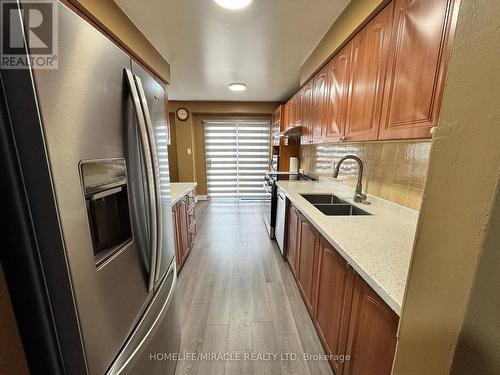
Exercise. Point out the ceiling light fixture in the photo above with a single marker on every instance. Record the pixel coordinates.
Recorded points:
(233, 4)
(237, 86)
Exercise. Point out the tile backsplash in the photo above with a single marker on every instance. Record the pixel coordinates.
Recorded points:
(392, 170)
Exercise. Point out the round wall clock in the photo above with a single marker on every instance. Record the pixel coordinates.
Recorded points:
(182, 114)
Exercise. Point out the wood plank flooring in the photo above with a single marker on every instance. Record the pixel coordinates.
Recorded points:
(237, 296)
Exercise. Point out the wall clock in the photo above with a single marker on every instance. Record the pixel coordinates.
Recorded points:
(182, 114)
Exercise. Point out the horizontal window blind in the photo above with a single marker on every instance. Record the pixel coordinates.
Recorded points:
(237, 156)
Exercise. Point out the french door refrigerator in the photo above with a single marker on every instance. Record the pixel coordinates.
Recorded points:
(89, 249)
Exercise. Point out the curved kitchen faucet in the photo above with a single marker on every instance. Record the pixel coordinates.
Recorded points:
(358, 195)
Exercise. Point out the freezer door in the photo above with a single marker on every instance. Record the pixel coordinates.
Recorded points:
(153, 102)
(154, 344)
(88, 119)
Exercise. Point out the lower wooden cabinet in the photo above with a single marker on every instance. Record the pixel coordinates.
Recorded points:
(372, 332)
(333, 301)
(291, 238)
(354, 324)
(184, 228)
(308, 243)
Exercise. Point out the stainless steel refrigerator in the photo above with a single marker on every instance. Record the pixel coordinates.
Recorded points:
(89, 247)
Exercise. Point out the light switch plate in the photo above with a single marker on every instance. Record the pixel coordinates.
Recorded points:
(189, 151)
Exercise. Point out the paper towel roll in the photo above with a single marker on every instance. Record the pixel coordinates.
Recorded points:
(294, 165)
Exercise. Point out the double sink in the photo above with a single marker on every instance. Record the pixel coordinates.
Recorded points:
(332, 205)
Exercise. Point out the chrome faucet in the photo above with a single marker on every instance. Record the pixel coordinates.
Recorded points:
(358, 195)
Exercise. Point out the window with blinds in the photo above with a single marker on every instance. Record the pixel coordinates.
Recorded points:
(237, 156)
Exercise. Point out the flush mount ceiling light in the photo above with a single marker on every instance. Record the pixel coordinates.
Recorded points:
(237, 86)
(233, 4)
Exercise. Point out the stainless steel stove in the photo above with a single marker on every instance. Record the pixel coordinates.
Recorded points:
(270, 179)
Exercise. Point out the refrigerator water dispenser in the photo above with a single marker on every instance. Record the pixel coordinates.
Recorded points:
(106, 198)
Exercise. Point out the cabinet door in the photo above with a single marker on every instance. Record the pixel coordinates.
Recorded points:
(307, 248)
(369, 58)
(291, 239)
(178, 255)
(417, 65)
(306, 96)
(183, 228)
(298, 110)
(338, 85)
(372, 333)
(319, 101)
(333, 301)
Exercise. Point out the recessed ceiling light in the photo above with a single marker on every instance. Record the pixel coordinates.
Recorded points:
(237, 86)
(233, 4)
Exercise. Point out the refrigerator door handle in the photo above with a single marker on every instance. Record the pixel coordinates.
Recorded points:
(144, 139)
(156, 170)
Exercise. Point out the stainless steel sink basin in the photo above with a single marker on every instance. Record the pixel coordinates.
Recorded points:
(340, 209)
(323, 199)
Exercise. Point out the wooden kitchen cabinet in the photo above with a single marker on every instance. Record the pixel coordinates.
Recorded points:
(335, 282)
(370, 48)
(308, 243)
(291, 238)
(373, 327)
(319, 105)
(350, 317)
(277, 125)
(306, 113)
(418, 59)
(294, 116)
(184, 228)
(338, 89)
(387, 83)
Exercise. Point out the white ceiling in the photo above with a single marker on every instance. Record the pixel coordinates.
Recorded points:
(209, 47)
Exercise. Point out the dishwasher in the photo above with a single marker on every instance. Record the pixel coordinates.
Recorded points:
(279, 232)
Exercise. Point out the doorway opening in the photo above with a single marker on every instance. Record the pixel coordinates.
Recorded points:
(237, 156)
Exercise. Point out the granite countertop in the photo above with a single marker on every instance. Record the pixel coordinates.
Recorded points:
(378, 247)
(180, 189)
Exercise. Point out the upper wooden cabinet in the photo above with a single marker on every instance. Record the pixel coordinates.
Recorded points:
(370, 48)
(338, 85)
(306, 112)
(416, 68)
(387, 82)
(277, 125)
(319, 105)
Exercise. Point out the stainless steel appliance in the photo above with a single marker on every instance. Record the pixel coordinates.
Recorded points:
(270, 212)
(280, 220)
(270, 179)
(90, 250)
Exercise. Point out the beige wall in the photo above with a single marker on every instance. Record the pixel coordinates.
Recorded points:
(109, 17)
(352, 19)
(392, 170)
(457, 219)
(189, 134)
(478, 349)
(172, 151)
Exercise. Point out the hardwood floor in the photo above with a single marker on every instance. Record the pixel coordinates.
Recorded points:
(237, 296)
